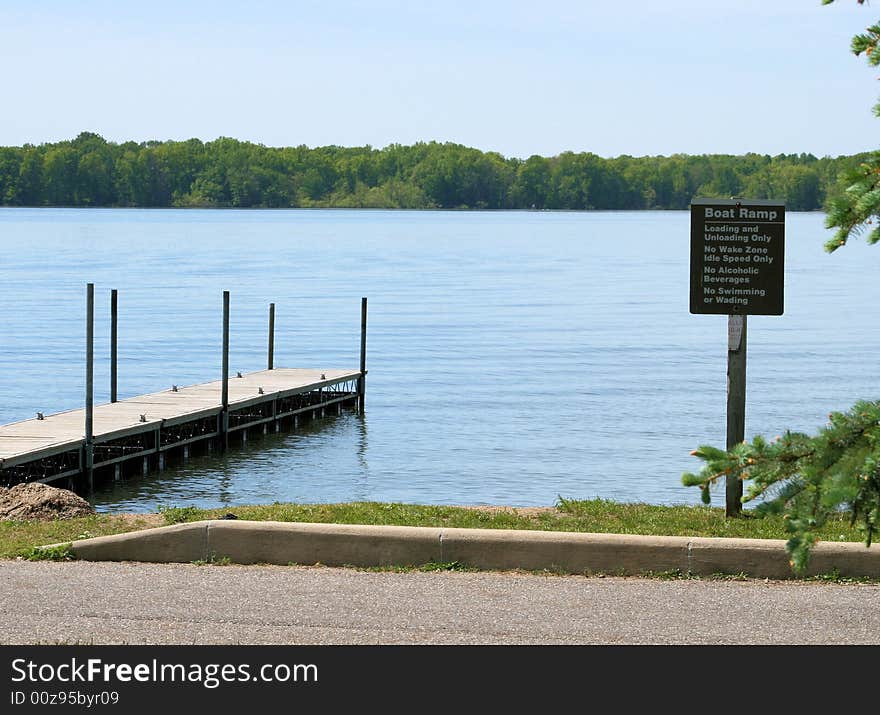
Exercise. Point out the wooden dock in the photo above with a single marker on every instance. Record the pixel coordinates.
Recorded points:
(138, 434)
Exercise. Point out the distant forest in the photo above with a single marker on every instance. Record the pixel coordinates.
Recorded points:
(89, 171)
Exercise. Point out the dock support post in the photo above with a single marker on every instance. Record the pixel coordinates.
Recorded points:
(736, 404)
(362, 380)
(113, 333)
(89, 447)
(271, 359)
(224, 412)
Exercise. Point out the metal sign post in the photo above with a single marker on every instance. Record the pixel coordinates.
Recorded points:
(737, 269)
(736, 404)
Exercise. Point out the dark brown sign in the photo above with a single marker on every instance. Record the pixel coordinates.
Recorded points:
(737, 256)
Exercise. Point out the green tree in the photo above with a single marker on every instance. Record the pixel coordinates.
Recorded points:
(810, 478)
(10, 167)
(94, 185)
(857, 207)
(90, 171)
(30, 178)
(131, 182)
(59, 172)
(806, 478)
(572, 178)
(533, 183)
(455, 176)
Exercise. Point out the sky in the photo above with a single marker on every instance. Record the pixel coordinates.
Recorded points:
(637, 77)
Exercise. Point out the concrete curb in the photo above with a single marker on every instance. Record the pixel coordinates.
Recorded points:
(271, 542)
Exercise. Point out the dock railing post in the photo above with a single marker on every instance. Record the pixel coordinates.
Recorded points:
(224, 413)
(362, 380)
(90, 385)
(271, 359)
(113, 341)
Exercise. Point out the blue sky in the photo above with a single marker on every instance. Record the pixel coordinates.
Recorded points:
(638, 77)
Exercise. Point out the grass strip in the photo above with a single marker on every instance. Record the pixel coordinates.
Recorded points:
(17, 538)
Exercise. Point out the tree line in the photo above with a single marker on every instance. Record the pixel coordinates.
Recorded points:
(90, 171)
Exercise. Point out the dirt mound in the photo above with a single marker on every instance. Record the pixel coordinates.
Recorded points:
(40, 502)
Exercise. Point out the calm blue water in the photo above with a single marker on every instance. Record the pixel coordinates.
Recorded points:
(513, 356)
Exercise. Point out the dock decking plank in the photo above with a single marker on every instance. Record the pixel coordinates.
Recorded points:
(29, 439)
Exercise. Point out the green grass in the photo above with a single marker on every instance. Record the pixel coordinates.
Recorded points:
(18, 538)
(649, 519)
(429, 567)
(596, 515)
(60, 552)
(179, 514)
(214, 561)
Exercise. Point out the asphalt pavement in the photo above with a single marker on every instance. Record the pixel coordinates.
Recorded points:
(128, 603)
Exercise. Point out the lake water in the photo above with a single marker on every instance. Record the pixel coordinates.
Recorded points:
(513, 356)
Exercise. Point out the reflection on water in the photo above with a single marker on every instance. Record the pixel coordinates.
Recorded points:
(252, 473)
(361, 426)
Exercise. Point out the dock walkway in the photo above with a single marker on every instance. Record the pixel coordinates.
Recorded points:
(140, 431)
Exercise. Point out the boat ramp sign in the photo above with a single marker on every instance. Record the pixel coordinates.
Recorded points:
(737, 256)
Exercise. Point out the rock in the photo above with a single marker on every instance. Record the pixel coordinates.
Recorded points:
(40, 502)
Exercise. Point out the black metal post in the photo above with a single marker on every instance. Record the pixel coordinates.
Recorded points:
(113, 335)
(224, 414)
(362, 380)
(271, 360)
(90, 384)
